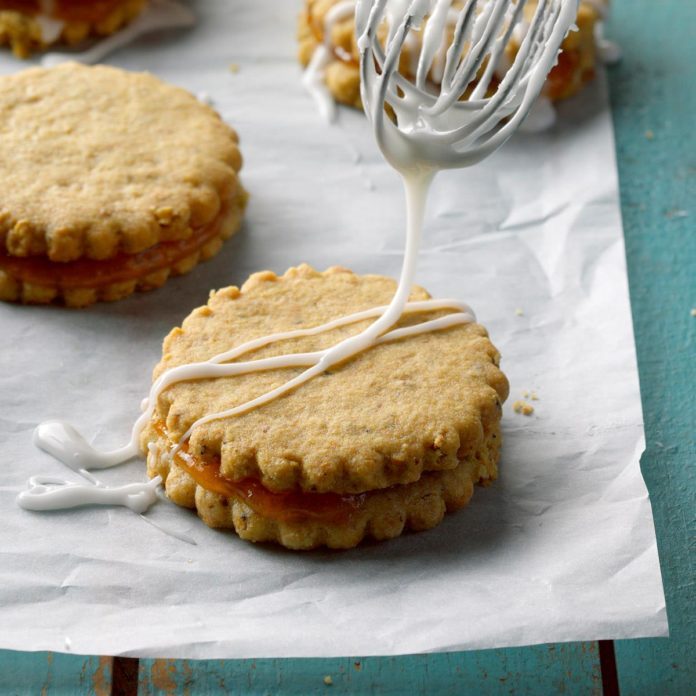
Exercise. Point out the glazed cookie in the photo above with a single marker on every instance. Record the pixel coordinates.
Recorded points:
(112, 181)
(387, 441)
(328, 25)
(28, 26)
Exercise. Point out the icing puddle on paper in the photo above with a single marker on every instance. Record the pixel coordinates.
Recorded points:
(417, 147)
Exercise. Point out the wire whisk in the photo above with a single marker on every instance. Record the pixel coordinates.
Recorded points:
(472, 109)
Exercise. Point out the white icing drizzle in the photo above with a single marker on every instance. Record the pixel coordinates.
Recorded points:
(65, 443)
(314, 81)
(314, 77)
(159, 14)
(46, 493)
(52, 493)
(417, 147)
(609, 51)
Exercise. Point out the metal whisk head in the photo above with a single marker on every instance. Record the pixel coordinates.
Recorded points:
(475, 108)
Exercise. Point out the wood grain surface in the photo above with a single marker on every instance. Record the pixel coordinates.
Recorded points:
(653, 95)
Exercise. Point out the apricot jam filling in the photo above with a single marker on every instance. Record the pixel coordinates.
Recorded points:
(89, 273)
(288, 506)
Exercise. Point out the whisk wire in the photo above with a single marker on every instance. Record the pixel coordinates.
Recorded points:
(511, 90)
(501, 44)
(486, 29)
(436, 26)
(460, 117)
(462, 34)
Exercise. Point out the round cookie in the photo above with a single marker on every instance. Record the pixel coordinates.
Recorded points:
(28, 26)
(112, 182)
(388, 440)
(316, 27)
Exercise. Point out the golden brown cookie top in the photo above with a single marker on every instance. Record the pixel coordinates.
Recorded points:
(95, 161)
(421, 403)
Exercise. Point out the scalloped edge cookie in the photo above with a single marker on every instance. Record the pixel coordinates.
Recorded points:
(295, 442)
(25, 32)
(13, 289)
(102, 165)
(98, 161)
(389, 424)
(385, 514)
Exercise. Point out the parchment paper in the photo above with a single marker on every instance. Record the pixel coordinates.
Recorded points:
(561, 548)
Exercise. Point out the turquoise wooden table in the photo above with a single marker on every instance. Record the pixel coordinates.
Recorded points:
(654, 103)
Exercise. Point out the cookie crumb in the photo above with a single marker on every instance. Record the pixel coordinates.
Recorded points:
(693, 311)
(233, 68)
(525, 395)
(519, 312)
(649, 135)
(357, 666)
(328, 680)
(534, 397)
(523, 407)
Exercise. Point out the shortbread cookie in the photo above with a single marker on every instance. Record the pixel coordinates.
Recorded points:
(386, 441)
(576, 64)
(111, 182)
(28, 26)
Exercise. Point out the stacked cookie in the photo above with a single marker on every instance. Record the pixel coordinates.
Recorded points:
(387, 441)
(35, 25)
(112, 182)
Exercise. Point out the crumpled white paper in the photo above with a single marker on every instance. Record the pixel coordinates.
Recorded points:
(561, 548)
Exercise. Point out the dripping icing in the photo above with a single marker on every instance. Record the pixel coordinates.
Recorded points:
(314, 77)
